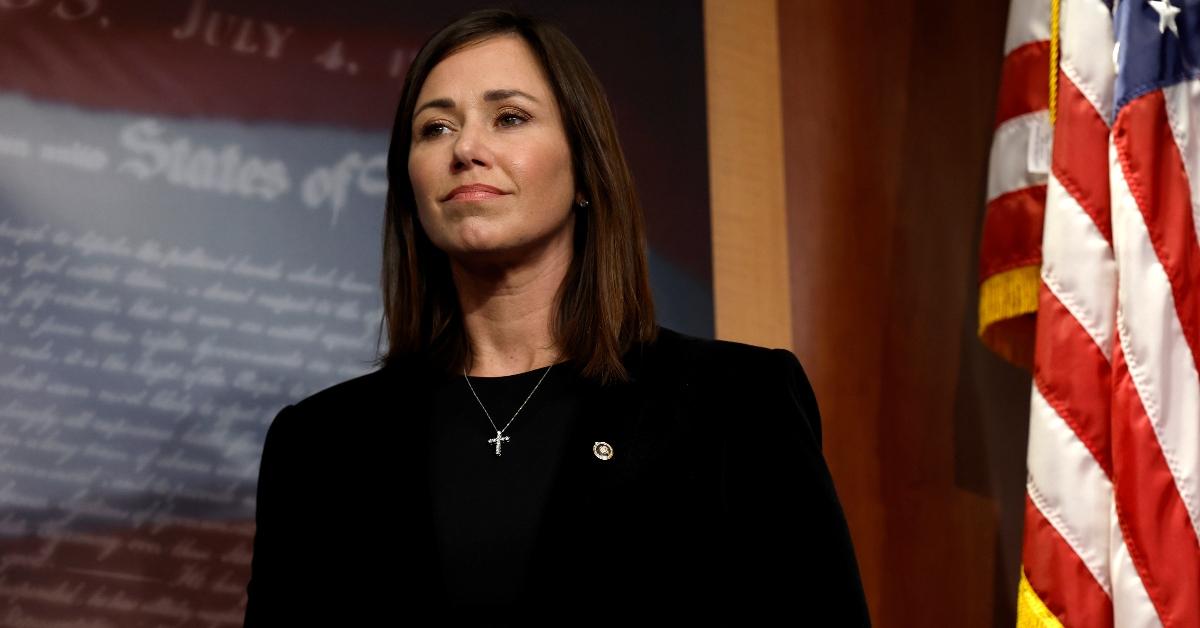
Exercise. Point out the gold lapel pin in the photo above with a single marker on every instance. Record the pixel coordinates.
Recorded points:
(602, 450)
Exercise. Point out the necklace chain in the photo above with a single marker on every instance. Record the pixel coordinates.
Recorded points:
(500, 438)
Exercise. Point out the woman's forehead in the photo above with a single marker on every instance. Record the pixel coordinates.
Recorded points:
(502, 63)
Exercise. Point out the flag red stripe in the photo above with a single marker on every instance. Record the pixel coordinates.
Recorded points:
(1080, 156)
(1012, 231)
(1158, 181)
(1059, 577)
(1024, 81)
(1073, 376)
(1154, 520)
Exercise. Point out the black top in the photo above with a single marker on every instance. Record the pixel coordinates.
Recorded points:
(487, 508)
(712, 504)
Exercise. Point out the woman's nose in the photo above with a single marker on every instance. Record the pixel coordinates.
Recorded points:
(471, 149)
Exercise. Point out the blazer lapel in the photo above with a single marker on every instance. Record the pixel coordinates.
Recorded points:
(401, 521)
(592, 514)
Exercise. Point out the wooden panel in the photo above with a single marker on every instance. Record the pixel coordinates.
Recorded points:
(884, 110)
(749, 220)
(845, 107)
(887, 110)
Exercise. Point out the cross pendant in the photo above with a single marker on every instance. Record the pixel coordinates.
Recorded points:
(498, 441)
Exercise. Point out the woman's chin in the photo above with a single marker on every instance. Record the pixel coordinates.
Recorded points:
(476, 243)
(485, 250)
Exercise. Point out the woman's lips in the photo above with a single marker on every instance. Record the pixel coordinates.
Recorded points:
(474, 195)
(474, 192)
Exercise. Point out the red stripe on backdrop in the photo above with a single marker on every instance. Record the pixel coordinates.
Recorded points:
(1158, 181)
(285, 61)
(1080, 155)
(1012, 231)
(1059, 577)
(1078, 384)
(1024, 82)
(1154, 521)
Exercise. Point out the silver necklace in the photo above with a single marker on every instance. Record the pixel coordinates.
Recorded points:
(500, 437)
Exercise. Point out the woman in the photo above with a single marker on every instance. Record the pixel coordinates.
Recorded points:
(535, 448)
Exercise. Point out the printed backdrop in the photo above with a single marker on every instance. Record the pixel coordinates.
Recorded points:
(191, 195)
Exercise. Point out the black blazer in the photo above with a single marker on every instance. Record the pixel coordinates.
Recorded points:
(717, 503)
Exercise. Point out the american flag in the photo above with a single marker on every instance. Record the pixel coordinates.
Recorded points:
(1010, 252)
(1112, 513)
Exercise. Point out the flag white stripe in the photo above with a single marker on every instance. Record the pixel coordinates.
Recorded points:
(1132, 607)
(1082, 24)
(1088, 291)
(1028, 21)
(1068, 486)
(1008, 165)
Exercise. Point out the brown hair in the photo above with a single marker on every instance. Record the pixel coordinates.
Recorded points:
(604, 305)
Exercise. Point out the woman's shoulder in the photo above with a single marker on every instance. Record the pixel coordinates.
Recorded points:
(719, 370)
(345, 402)
(711, 355)
(355, 390)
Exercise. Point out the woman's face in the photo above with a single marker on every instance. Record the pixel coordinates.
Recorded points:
(487, 117)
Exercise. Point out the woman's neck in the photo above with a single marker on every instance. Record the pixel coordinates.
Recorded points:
(508, 315)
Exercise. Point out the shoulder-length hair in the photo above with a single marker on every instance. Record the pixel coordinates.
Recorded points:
(604, 305)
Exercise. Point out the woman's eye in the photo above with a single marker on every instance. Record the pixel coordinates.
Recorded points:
(512, 119)
(432, 129)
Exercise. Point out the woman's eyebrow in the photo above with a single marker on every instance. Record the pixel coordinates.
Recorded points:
(501, 94)
(490, 95)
